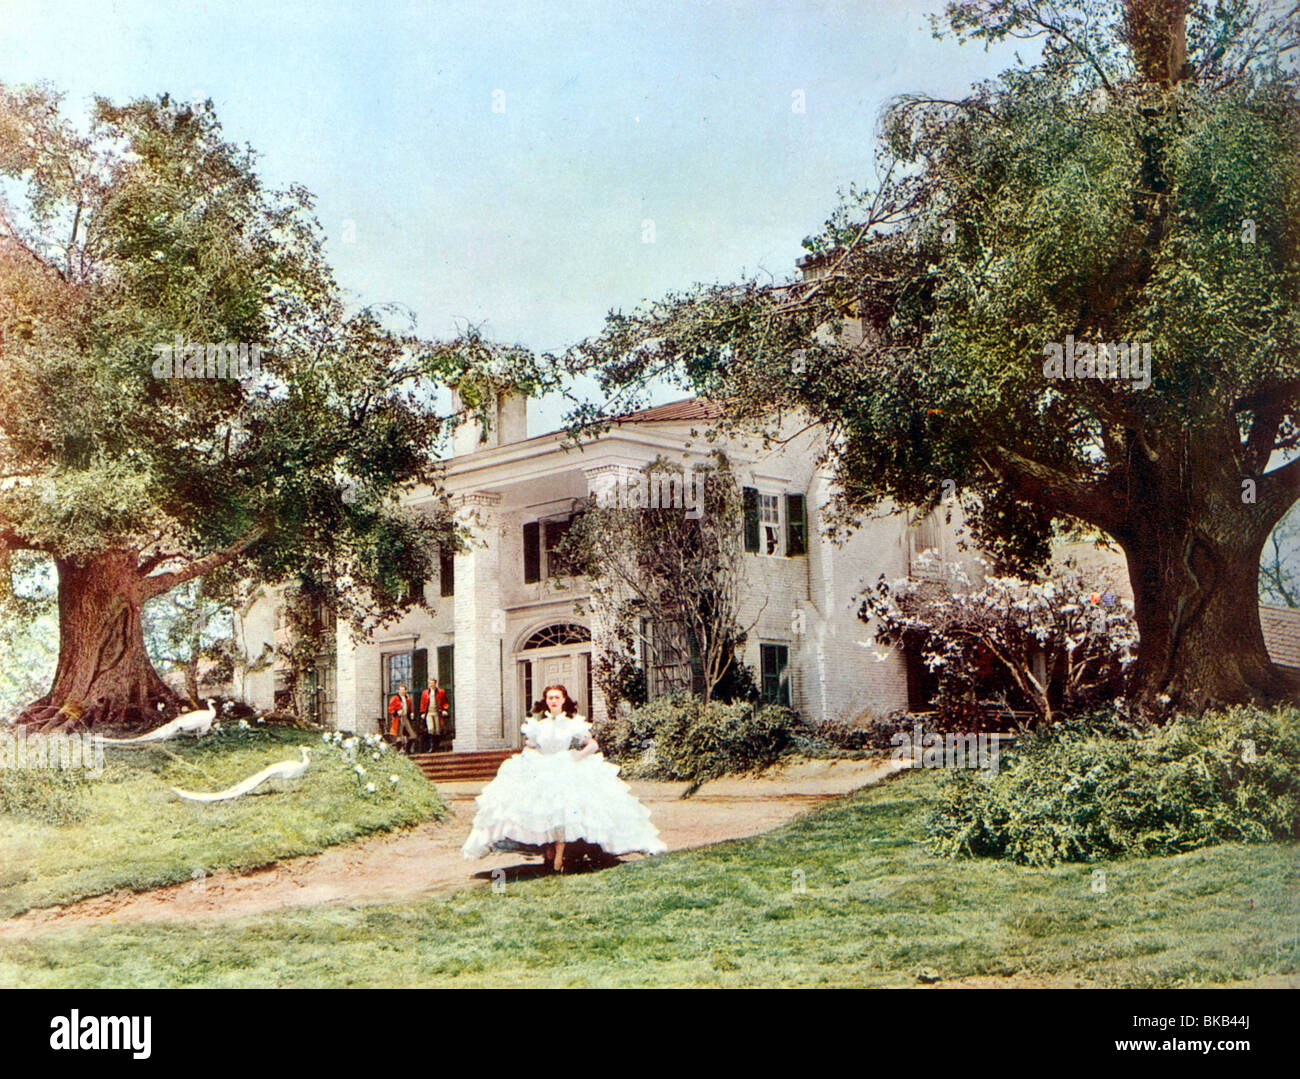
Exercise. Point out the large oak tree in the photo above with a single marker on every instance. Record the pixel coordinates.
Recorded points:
(149, 228)
(1139, 182)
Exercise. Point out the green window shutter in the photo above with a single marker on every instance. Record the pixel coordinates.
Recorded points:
(446, 572)
(447, 678)
(796, 525)
(419, 674)
(532, 553)
(749, 496)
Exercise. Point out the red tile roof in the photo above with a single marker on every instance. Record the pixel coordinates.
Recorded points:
(1282, 634)
(692, 408)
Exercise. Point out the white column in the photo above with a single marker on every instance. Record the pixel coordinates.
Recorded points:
(348, 710)
(479, 627)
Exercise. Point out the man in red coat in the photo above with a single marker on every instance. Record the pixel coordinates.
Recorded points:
(400, 710)
(435, 718)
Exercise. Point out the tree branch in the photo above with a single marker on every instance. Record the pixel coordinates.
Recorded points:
(163, 582)
(13, 541)
(1058, 491)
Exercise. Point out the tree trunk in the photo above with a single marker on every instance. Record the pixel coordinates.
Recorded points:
(104, 676)
(1157, 37)
(1193, 562)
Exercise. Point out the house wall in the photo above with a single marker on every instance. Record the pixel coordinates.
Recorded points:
(255, 630)
(808, 603)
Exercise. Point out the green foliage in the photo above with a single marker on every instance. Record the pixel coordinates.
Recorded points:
(1077, 793)
(678, 737)
(150, 229)
(878, 909)
(65, 836)
(187, 625)
(1079, 197)
(834, 738)
(29, 631)
(620, 679)
(50, 795)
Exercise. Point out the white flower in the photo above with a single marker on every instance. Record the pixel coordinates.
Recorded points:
(370, 788)
(359, 770)
(392, 779)
(374, 756)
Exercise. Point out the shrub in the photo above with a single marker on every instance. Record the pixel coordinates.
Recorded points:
(1076, 793)
(873, 735)
(629, 734)
(50, 794)
(831, 738)
(678, 738)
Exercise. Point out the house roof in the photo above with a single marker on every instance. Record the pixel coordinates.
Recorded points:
(692, 408)
(1281, 634)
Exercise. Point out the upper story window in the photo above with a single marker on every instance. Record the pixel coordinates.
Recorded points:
(763, 523)
(543, 558)
(769, 517)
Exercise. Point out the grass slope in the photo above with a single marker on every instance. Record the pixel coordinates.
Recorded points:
(876, 909)
(135, 834)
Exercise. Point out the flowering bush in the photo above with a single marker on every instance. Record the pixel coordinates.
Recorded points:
(351, 745)
(1064, 641)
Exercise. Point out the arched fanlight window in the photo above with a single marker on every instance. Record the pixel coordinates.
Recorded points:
(557, 634)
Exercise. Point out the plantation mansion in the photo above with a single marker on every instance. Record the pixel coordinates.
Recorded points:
(506, 616)
(505, 622)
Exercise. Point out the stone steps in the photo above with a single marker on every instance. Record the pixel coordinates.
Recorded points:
(456, 767)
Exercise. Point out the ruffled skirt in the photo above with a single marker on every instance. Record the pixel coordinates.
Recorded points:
(538, 798)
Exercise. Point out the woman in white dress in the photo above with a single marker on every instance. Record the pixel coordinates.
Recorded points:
(550, 794)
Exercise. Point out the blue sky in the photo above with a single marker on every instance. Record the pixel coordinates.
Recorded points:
(528, 219)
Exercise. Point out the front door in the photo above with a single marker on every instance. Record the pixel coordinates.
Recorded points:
(555, 671)
(570, 670)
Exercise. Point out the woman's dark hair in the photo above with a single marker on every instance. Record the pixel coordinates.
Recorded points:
(570, 705)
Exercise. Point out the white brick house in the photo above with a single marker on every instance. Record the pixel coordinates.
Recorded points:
(504, 621)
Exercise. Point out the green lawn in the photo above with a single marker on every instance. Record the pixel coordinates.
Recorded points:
(136, 834)
(876, 909)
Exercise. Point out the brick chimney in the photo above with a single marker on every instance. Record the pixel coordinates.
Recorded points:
(508, 423)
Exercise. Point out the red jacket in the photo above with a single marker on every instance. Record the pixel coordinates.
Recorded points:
(395, 709)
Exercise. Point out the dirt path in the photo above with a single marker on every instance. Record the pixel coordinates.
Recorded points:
(426, 860)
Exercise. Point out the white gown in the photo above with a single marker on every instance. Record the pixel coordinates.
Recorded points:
(546, 795)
